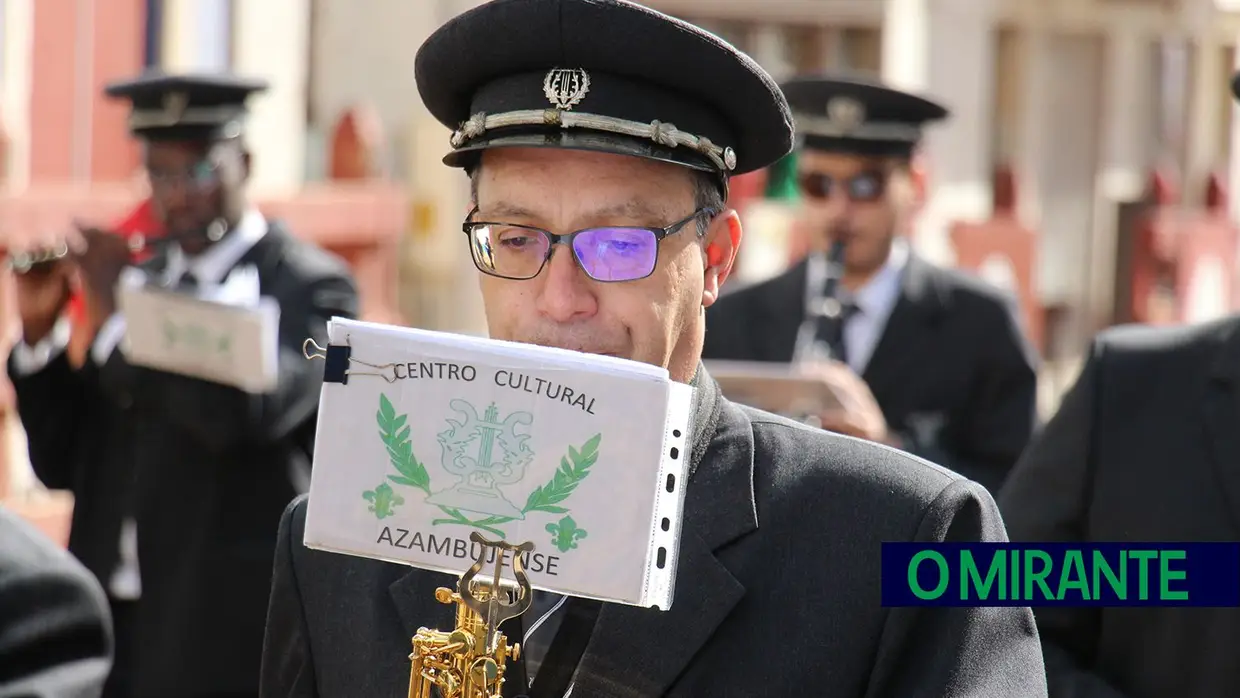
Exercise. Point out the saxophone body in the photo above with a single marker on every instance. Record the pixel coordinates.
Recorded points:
(470, 660)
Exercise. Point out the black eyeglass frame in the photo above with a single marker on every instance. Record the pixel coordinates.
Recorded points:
(707, 212)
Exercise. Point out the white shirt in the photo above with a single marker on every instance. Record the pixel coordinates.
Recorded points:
(219, 278)
(875, 301)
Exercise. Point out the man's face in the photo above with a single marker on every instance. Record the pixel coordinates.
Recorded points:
(657, 319)
(191, 185)
(864, 200)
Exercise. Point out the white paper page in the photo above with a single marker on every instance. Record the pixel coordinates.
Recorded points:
(577, 457)
(235, 346)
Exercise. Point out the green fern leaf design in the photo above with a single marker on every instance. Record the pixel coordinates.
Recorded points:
(395, 437)
(574, 468)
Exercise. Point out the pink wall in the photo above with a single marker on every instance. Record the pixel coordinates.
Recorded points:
(67, 106)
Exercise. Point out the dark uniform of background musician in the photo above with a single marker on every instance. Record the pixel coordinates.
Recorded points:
(55, 629)
(214, 466)
(778, 575)
(932, 360)
(80, 442)
(1144, 448)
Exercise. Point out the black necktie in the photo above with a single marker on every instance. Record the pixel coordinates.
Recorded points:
(831, 329)
(188, 282)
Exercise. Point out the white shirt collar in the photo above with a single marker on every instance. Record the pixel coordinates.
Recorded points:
(878, 297)
(216, 261)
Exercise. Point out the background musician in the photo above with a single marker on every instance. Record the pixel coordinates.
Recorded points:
(212, 466)
(927, 359)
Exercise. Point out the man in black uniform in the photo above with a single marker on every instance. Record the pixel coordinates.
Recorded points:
(927, 359)
(55, 629)
(611, 122)
(214, 466)
(1144, 448)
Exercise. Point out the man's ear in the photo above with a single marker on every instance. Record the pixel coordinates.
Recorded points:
(722, 242)
(919, 179)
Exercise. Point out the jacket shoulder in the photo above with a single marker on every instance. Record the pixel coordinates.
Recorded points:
(972, 292)
(807, 469)
(1133, 340)
(308, 259)
(1127, 364)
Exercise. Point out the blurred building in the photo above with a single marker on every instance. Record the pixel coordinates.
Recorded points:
(1064, 110)
(65, 153)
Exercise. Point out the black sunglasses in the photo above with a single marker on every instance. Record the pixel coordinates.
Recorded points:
(605, 253)
(863, 187)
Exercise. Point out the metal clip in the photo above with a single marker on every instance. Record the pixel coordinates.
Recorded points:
(334, 354)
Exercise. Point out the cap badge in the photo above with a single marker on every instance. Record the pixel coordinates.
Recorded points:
(845, 113)
(174, 106)
(566, 87)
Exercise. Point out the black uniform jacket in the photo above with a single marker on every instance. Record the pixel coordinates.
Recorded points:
(55, 630)
(214, 467)
(777, 590)
(1144, 448)
(82, 443)
(952, 371)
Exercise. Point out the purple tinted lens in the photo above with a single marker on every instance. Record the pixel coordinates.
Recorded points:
(616, 254)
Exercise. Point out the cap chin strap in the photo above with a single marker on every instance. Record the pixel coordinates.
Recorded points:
(723, 158)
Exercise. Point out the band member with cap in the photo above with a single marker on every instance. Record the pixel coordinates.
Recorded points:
(599, 140)
(214, 466)
(1144, 447)
(55, 629)
(927, 359)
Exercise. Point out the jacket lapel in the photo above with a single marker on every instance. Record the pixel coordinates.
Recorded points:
(1221, 412)
(413, 593)
(920, 305)
(623, 657)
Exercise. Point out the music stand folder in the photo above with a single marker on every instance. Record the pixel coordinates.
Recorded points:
(774, 387)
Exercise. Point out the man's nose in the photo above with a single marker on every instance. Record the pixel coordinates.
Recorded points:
(567, 294)
(172, 194)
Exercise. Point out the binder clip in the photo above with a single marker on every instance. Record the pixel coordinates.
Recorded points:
(338, 358)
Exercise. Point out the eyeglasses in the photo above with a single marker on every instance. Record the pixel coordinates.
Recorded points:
(864, 187)
(198, 177)
(609, 253)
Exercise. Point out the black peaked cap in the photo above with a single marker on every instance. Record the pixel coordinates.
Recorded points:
(859, 115)
(610, 58)
(186, 106)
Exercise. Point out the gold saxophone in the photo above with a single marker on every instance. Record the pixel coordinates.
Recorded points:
(470, 661)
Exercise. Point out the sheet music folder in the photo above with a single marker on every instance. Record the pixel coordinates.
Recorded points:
(775, 387)
(219, 342)
(426, 438)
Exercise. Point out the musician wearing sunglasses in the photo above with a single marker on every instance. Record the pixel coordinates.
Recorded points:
(200, 469)
(599, 140)
(923, 358)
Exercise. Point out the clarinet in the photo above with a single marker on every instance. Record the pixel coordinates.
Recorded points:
(825, 308)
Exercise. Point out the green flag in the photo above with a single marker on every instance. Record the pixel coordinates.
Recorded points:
(781, 181)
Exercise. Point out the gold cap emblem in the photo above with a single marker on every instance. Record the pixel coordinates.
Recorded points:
(175, 104)
(566, 87)
(845, 113)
